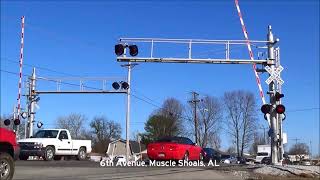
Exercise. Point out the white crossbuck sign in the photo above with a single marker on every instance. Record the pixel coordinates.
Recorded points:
(274, 74)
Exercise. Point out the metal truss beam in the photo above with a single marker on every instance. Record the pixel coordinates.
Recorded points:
(187, 60)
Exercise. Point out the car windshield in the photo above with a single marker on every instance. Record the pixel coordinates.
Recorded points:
(262, 154)
(208, 150)
(46, 134)
(169, 139)
(225, 156)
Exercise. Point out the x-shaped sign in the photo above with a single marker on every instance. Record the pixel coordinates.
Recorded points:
(274, 74)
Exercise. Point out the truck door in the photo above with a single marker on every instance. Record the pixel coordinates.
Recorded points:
(64, 145)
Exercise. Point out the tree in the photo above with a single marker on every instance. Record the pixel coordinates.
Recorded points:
(173, 110)
(258, 139)
(74, 122)
(231, 150)
(165, 121)
(209, 124)
(104, 131)
(159, 126)
(241, 118)
(299, 148)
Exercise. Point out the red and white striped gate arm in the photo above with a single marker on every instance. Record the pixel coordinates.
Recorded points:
(20, 64)
(245, 33)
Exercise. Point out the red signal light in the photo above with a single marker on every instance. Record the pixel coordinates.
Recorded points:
(119, 49)
(266, 108)
(16, 122)
(280, 109)
(133, 50)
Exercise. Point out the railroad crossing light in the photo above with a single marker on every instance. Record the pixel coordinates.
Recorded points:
(116, 85)
(16, 122)
(7, 122)
(133, 49)
(119, 49)
(266, 108)
(280, 109)
(124, 85)
(278, 96)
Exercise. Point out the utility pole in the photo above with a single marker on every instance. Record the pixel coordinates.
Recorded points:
(194, 101)
(31, 109)
(129, 66)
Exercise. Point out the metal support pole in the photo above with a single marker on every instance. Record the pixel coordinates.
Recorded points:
(32, 102)
(273, 114)
(128, 114)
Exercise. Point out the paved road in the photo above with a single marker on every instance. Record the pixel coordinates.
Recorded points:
(69, 170)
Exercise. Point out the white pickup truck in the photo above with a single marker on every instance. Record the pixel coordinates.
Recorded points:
(53, 144)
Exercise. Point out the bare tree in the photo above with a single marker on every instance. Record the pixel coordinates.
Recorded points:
(210, 116)
(74, 122)
(241, 118)
(231, 150)
(299, 148)
(104, 131)
(172, 109)
(258, 139)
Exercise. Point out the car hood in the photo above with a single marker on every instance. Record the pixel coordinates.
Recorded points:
(35, 140)
(259, 158)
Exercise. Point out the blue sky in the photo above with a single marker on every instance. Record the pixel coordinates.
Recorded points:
(77, 37)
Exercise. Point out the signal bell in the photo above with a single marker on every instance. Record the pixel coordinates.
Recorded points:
(278, 96)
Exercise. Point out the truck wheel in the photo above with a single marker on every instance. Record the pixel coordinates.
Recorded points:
(23, 157)
(82, 154)
(48, 153)
(6, 166)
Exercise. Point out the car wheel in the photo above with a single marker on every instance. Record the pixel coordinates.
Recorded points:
(6, 166)
(48, 153)
(23, 157)
(82, 154)
(186, 156)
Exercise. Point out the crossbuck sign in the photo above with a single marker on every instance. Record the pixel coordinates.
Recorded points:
(274, 74)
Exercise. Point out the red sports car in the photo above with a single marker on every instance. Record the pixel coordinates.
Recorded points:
(174, 148)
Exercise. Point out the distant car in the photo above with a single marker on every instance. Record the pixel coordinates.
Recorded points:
(174, 148)
(241, 160)
(228, 159)
(306, 163)
(266, 160)
(119, 159)
(211, 154)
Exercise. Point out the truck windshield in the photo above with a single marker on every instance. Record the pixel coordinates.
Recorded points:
(262, 154)
(46, 134)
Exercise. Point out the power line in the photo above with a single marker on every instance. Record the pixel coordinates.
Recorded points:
(306, 109)
(38, 67)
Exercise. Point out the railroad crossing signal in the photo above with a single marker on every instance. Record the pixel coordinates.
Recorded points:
(274, 74)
